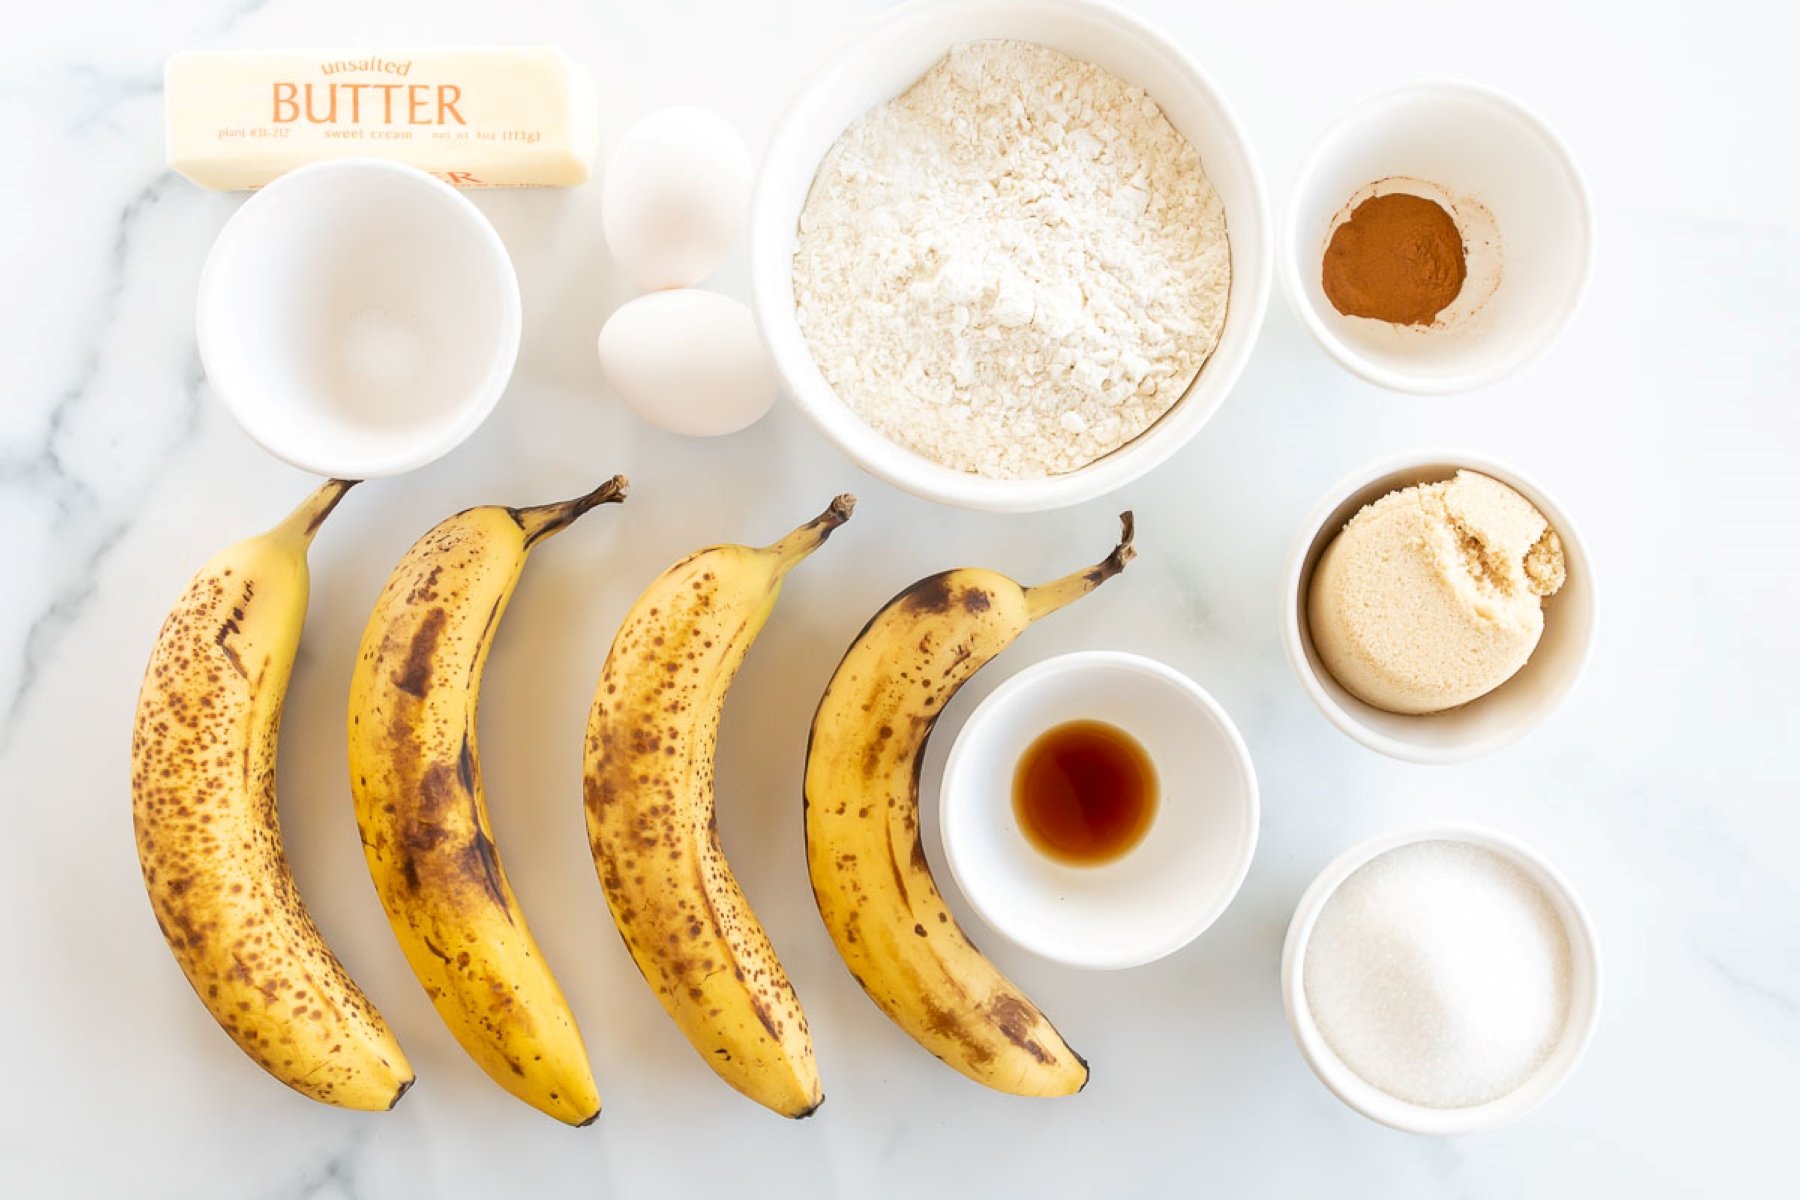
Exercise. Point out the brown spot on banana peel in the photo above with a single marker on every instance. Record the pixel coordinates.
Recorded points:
(481, 863)
(222, 639)
(919, 861)
(900, 888)
(465, 764)
(419, 838)
(947, 1023)
(425, 591)
(1015, 1016)
(762, 1014)
(486, 635)
(916, 856)
(439, 792)
(929, 595)
(718, 925)
(414, 675)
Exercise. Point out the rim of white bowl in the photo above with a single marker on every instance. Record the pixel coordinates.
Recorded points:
(1295, 578)
(1347, 355)
(429, 449)
(1371, 1102)
(1134, 664)
(896, 465)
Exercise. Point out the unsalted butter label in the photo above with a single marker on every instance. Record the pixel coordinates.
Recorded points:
(522, 117)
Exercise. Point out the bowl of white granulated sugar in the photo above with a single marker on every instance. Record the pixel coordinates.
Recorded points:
(1010, 254)
(1442, 979)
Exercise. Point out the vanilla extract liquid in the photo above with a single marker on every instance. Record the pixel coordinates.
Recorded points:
(1085, 793)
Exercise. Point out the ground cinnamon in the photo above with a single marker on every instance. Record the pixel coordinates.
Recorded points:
(1399, 258)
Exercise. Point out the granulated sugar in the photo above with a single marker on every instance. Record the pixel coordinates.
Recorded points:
(1439, 972)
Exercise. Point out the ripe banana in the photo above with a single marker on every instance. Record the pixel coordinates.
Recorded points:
(869, 874)
(649, 800)
(416, 777)
(203, 799)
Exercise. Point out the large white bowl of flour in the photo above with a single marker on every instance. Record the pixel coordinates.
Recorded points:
(886, 59)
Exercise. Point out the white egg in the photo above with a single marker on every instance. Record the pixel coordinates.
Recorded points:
(675, 197)
(688, 361)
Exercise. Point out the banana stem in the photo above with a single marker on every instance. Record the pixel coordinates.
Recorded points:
(1046, 598)
(301, 524)
(810, 536)
(542, 520)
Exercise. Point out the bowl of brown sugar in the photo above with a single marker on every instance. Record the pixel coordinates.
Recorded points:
(1438, 237)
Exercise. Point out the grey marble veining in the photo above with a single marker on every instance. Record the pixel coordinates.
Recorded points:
(87, 521)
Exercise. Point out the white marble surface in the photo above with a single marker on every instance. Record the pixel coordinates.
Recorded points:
(1666, 418)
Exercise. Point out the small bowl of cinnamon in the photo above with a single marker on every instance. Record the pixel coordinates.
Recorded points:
(1438, 237)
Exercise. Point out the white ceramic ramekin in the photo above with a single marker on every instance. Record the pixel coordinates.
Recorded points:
(1471, 142)
(1481, 726)
(1584, 983)
(882, 61)
(1161, 894)
(358, 318)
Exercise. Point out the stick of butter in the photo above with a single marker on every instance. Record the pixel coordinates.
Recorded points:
(524, 117)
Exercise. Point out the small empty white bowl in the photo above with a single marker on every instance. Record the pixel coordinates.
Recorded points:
(1485, 724)
(358, 318)
(1490, 156)
(1365, 1098)
(1161, 894)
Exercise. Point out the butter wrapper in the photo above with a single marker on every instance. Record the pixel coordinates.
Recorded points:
(476, 118)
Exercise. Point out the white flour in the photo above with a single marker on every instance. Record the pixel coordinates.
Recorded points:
(1014, 267)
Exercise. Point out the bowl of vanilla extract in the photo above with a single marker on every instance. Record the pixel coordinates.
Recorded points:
(1099, 809)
